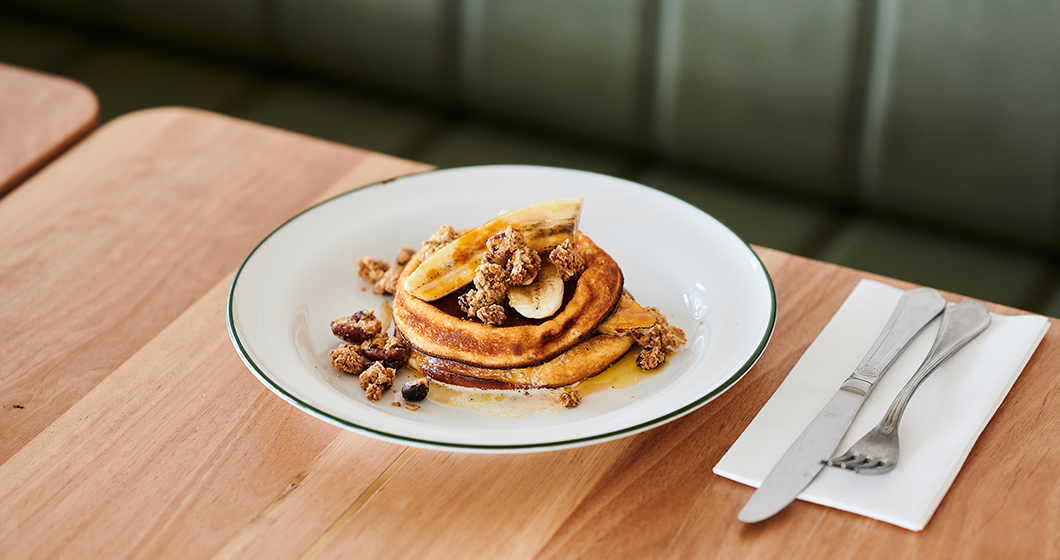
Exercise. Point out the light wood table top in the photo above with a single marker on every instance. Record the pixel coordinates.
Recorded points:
(41, 116)
(129, 427)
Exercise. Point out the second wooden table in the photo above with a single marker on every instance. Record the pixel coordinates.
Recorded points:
(40, 116)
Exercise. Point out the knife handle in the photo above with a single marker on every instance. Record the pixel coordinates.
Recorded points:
(914, 311)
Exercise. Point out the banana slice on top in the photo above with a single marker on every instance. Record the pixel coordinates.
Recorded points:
(545, 225)
(542, 298)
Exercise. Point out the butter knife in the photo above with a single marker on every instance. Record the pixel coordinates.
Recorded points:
(801, 463)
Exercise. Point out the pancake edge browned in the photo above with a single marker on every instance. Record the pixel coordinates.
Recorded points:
(598, 353)
(433, 332)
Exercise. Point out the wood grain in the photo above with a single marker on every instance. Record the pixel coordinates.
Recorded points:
(175, 450)
(40, 117)
(181, 441)
(143, 435)
(117, 238)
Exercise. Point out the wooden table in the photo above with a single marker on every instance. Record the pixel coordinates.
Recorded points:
(129, 427)
(41, 116)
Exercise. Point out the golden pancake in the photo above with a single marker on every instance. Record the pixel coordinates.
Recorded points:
(578, 363)
(433, 332)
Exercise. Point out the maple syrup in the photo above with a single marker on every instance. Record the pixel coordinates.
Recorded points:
(622, 374)
(519, 403)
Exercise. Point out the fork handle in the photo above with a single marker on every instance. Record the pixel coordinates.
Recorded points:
(960, 324)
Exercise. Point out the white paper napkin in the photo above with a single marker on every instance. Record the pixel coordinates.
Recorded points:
(942, 422)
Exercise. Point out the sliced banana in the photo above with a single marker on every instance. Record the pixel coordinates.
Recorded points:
(545, 225)
(542, 298)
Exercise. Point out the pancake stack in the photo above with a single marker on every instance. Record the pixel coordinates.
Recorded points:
(589, 332)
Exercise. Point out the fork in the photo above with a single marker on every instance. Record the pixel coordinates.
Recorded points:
(877, 451)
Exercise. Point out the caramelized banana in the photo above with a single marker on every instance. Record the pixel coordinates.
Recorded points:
(545, 225)
(629, 315)
(542, 298)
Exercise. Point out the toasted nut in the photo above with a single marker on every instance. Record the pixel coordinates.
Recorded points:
(357, 328)
(392, 351)
(416, 390)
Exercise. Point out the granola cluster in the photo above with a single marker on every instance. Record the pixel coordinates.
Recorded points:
(445, 235)
(509, 261)
(501, 247)
(570, 399)
(347, 358)
(368, 352)
(658, 341)
(486, 300)
(509, 249)
(371, 270)
(523, 267)
(568, 260)
(390, 351)
(404, 256)
(376, 379)
(380, 274)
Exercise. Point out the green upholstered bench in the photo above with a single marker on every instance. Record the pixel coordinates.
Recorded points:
(918, 140)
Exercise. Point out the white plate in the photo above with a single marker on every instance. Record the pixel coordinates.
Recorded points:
(675, 257)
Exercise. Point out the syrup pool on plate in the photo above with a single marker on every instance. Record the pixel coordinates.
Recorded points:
(513, 403)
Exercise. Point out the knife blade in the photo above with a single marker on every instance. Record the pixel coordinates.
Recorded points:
(801, 463)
